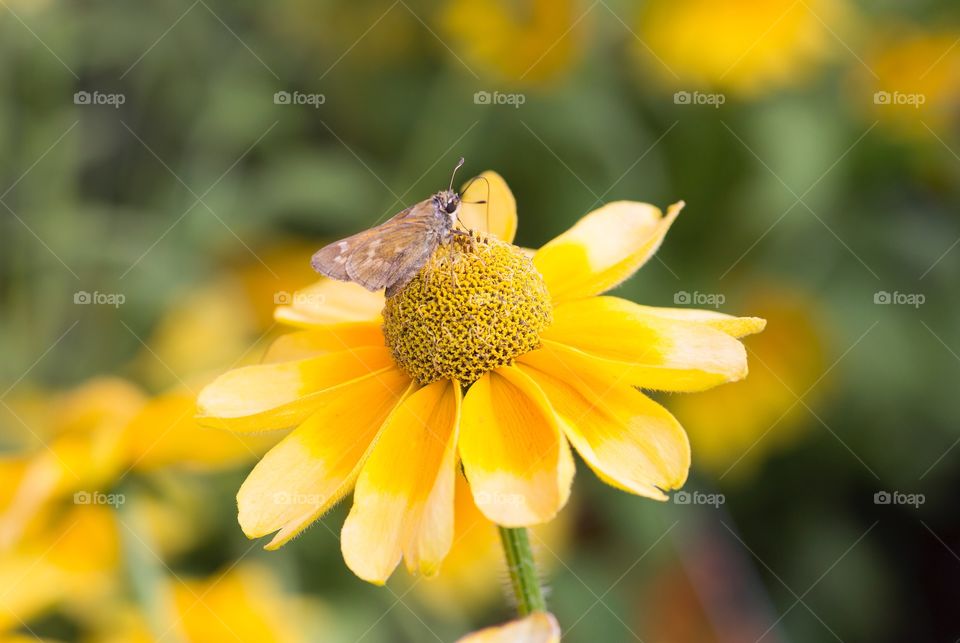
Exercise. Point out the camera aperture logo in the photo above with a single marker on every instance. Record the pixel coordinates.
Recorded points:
(299, 98)
(699, 98)
(896, 298)
(914, 100)
(696, 298)
(296, 499)
(97, 298)
(699, 498)
(899, 498)
(98, 98)
(487, 499)
(287, 298)
(499, 98)
(98, 498)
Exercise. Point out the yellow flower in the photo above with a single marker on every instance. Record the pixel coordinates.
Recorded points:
(539, 627)
(533, 42)
(93, 435)
(245, 603)
(494, 360)
(82, 449)
(68, 558)
(746, 46)
(203, 331)
(165, 433)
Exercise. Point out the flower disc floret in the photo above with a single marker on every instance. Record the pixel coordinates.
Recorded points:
(476, 305)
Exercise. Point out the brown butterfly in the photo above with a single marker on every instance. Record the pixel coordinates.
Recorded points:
(391, 254)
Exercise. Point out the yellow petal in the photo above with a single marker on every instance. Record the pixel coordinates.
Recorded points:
(165, 433)
(276, 396)
(498, 216)
(620, 339)
(328, 302)
(244, 603)
(308, 471)
(603, 249)
(733, 326)
(629, 440)
(324, 339)
(403, 503)
(516, 460)
(539, 627)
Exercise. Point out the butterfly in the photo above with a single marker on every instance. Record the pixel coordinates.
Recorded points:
(392, 253)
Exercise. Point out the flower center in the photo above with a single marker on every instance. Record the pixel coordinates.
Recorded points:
(476, 305)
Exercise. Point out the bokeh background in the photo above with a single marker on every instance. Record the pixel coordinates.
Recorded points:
(167, 169)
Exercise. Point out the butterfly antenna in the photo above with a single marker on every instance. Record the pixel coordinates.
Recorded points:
(486, 201)
(454, 173)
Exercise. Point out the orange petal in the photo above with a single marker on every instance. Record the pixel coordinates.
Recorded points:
(516, 460)
(403, 503)
(603, 249)
(308, 471)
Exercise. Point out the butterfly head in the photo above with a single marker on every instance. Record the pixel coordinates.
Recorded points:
(448, 202)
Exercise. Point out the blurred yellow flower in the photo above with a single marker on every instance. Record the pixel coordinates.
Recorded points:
(67, 559)
(243, 604)
(539, 627)
(81, 450)
(91, 436)
(59, 526)
(264, 289)
(547, 361)
(760, 414)
(917, 79)
(219, 323)
(529, 41)
(205, 329)
(165, 433)
(749, 47)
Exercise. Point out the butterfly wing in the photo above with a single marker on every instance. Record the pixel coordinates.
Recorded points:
(331, 260)
(387, 256)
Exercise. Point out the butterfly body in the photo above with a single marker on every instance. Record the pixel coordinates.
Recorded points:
(392, 253)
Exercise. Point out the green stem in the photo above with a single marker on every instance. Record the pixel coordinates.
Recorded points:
(523, 571)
